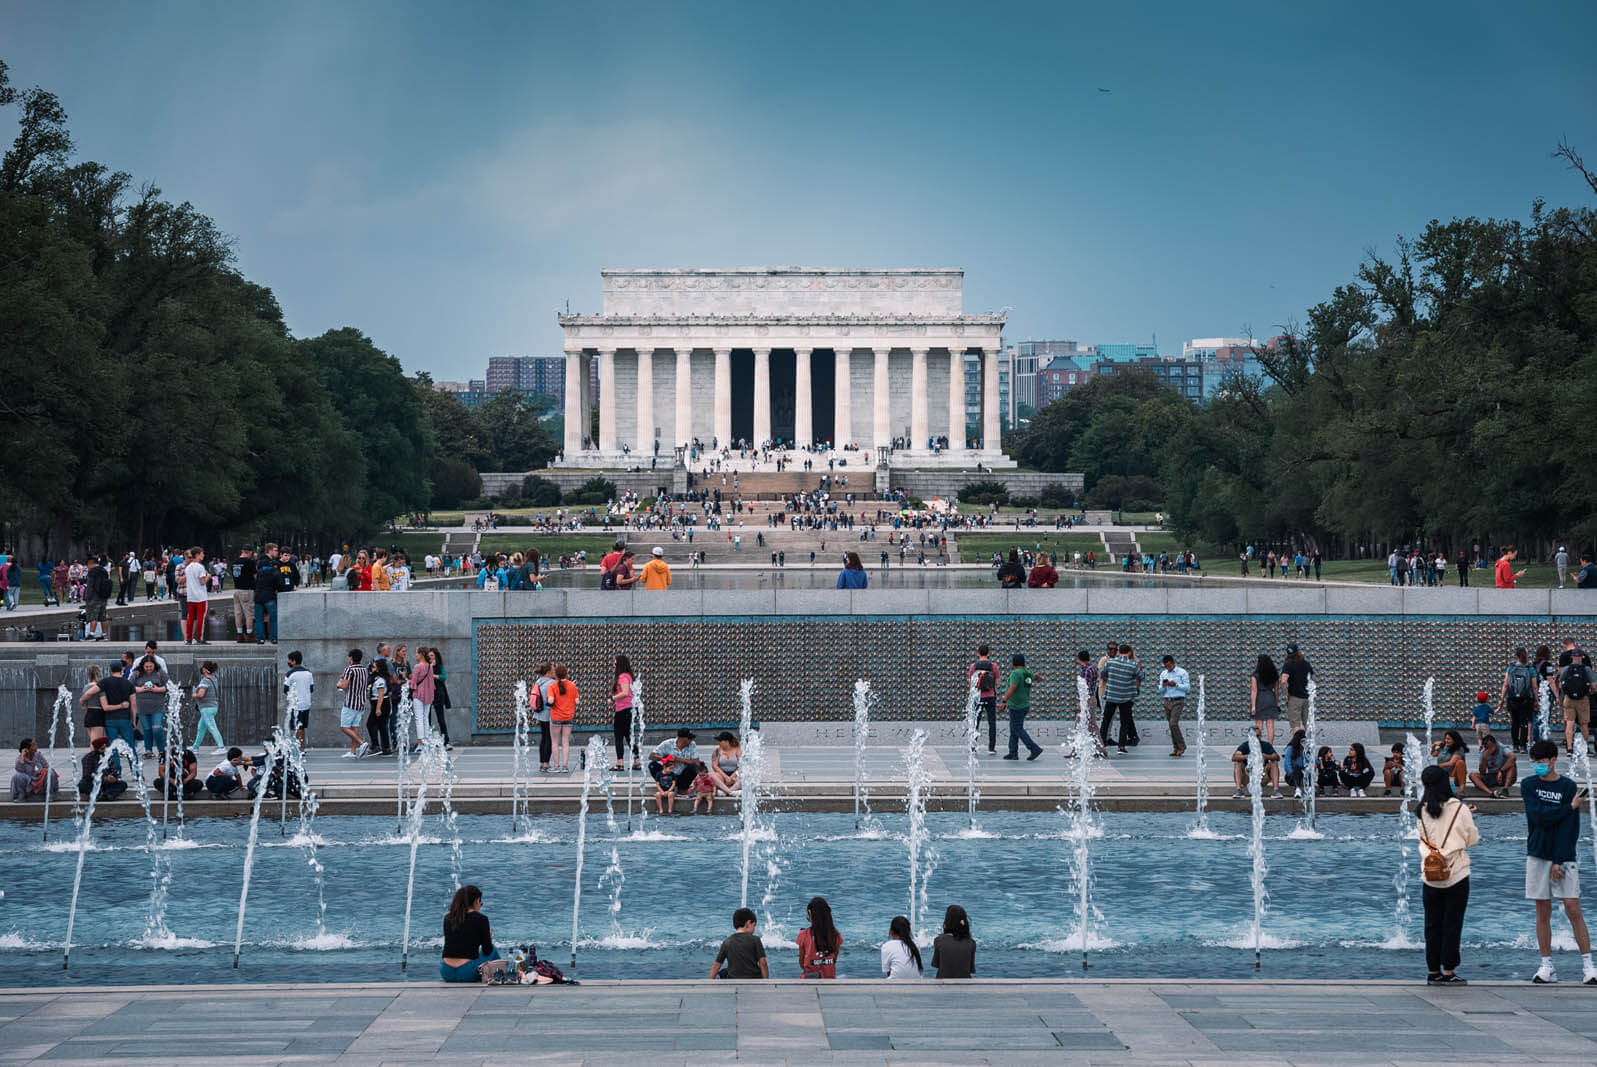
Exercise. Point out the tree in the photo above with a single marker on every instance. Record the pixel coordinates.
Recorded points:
(513, 435)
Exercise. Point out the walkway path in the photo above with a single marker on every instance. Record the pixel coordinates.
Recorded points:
(685, 1024)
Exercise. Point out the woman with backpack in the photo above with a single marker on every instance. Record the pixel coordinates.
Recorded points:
(1447, 831)
(539, 700)
(1519, 698)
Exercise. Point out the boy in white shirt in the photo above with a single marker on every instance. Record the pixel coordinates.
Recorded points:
(298, 685)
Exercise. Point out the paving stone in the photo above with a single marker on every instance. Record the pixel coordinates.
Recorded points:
(856, 1040)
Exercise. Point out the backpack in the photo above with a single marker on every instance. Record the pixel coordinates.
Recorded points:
(1435, 866)
(1521, 683)
(102, 584)
(536, 703)
(987, 677)
(1577, 681)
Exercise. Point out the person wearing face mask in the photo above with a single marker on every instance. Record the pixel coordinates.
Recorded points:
(1552, 814)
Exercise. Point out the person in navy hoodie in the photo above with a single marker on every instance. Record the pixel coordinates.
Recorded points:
(1552, 812)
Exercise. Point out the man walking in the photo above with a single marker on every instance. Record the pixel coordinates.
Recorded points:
(1561, 561)
(985, 673)
(1552, 815)
(96, 589)
(1574, 689)
(298, 685)
(1121, 678)
(244, 594)
(1017, 698)
(656, 573)
(1174, 685)
(356, 684)
(1297, 672)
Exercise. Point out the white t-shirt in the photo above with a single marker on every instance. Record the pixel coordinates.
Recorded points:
(226, 767)
(195, 581)
(298, 684)
(896, 960)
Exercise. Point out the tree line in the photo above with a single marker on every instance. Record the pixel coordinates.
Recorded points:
(1442, 397)
(154, 395)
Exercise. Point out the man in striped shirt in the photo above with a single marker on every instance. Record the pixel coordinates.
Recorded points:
(1121, 678)
(356, 684)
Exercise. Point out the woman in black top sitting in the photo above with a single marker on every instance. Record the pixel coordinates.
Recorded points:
(954, 950)
(1356, 773)
(468, 942)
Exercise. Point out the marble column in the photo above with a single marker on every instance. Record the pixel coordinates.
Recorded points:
(803, 419)
(723, 397)
(917, 398)
(881, 404)
(607, 400)
(841, 410)
(589, 371)
(762, 396)
(990, 425)
(645, 429)
(684, 393)
(956, 397)
(573, 413)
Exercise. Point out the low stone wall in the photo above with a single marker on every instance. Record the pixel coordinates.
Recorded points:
(1372, 647)
(247, 678)
(929, 484)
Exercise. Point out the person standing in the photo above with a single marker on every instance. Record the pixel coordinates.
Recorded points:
(270, 577)
(196, 590)
(542, 701)
(1574, 688)
(378, 727)
(1519, 699)
(1585, 578)
(1174, 685)
(1017, 698)
(441, 703)
(562, 712)
(1552, 816)
(298, 685)
(853, 575)
(985, 674)
(244, 594)
(1264, 699)
(1296, 672)
(1506, 574)
(1121, 676)
(356, 684)
(1447, 832)
(656, 574)
(149, 687)
(96, 591)
(1561, 561)
(423, 689)
(621, 705)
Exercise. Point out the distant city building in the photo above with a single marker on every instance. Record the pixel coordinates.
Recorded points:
(1207, 347)
(1024, 360)
(1061, 375)
(1125, 353)
(1225, 359)
(471, 393)
(1185, 376)
(528, 375)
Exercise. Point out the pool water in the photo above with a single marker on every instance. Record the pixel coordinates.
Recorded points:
(1166, 905)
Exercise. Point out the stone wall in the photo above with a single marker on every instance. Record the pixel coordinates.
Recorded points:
(925, 484)
(1373, 647)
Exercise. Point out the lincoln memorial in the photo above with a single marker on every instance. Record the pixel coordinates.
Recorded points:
(784, 357)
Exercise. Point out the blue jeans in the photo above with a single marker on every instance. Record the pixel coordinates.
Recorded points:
(264, 610)
(466, 972)
(1017, 732)
(49, 595)
(152, 726)
(115, 728)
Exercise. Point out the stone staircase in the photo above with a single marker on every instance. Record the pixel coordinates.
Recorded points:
(1119, 543)
(461, 542)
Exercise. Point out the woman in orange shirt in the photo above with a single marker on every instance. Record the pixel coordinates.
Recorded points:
(562, 711)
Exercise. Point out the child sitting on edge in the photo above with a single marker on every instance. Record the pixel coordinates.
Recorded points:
(1325, 772)
(1392, 772)
(1482, 715)
(704, 789)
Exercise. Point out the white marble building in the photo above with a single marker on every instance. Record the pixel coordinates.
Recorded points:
(759, 355)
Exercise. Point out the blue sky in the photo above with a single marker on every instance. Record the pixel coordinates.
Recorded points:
(445, 176)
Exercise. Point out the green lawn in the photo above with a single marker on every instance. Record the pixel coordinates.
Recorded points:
(1154, 543)
(414, 545)
(1537, 575)
(979, 546)
(563, 544)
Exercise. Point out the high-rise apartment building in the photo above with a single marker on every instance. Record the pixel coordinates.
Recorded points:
(528, 375)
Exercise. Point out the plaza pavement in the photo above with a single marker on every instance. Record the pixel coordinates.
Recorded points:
(689, 1023)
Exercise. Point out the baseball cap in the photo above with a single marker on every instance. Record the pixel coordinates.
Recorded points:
(1291, 650)
(1482, 698)
(658, 551)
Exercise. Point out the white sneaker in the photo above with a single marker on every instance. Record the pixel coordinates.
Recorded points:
(1545, 975)
(361, 752)
(1297, 794)
(1588, 974)
(349, 755)
(219, 751)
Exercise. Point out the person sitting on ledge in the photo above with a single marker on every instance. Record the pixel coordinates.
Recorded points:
(33, 776)
(1270, 775)
(1356, 773)
(227, 778)
(1498, 768)
(468, 939)
(179, 773)
(673, 766)
(1392, 772)
(1326, 772)
(742, 952)
(1450, 753)
(111, 783)
(1295, 763)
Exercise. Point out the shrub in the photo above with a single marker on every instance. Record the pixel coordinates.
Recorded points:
(984, 493)
(539, 492)
(1055, 495)
(593, 491)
